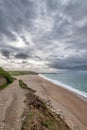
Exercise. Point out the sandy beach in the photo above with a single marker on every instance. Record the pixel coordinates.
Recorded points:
(72, 108)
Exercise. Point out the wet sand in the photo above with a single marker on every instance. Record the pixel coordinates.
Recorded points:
(72, 108)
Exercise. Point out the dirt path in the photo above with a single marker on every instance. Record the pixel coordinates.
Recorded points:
(11, 107)
(2, 80)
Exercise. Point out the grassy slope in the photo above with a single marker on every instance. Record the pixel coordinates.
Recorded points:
(7, 76)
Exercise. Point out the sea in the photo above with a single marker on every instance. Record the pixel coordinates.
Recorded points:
(71, 80)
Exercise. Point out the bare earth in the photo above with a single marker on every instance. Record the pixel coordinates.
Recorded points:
(2, 80)
(72, 108)
(11, 107)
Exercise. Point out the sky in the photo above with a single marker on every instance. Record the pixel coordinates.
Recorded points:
(43, 35)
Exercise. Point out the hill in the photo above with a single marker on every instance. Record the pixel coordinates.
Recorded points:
(17, 73)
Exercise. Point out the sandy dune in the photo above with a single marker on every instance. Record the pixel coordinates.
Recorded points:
(11, 107)
(72, 108)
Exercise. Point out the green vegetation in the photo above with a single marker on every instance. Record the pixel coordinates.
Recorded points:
(44, 123)
(49, 124)
(17, 73)
(6, 75)
(31, 114)
(22, 84)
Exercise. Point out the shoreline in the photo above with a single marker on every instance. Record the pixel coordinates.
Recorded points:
(69, 88)
(71, 107)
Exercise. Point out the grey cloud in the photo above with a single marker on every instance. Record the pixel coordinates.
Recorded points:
(68, 32)
(52, 5)
(14, 16)
(3, 46)
(25, 40)
(4, 29)
(69, 66)
(76, 9)
(21, 18)
(21, 56)
(70, 63)
(5, 53)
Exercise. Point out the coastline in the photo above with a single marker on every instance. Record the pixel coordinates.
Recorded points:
(72, 108)
(79, 93)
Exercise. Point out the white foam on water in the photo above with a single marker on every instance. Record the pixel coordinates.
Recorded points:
(82, 93)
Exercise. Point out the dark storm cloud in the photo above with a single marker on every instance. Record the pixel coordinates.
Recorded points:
(44, 30)
(71, 63)
(21, 56)
(65, 66)
(5, 53)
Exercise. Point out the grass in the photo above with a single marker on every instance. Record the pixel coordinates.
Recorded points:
(44, 123)
(7, 76)
(48, 124)
(17, 73)
(22, 84)
(31, 114)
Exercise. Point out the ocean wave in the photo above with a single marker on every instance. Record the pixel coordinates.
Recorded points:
(82, 93)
